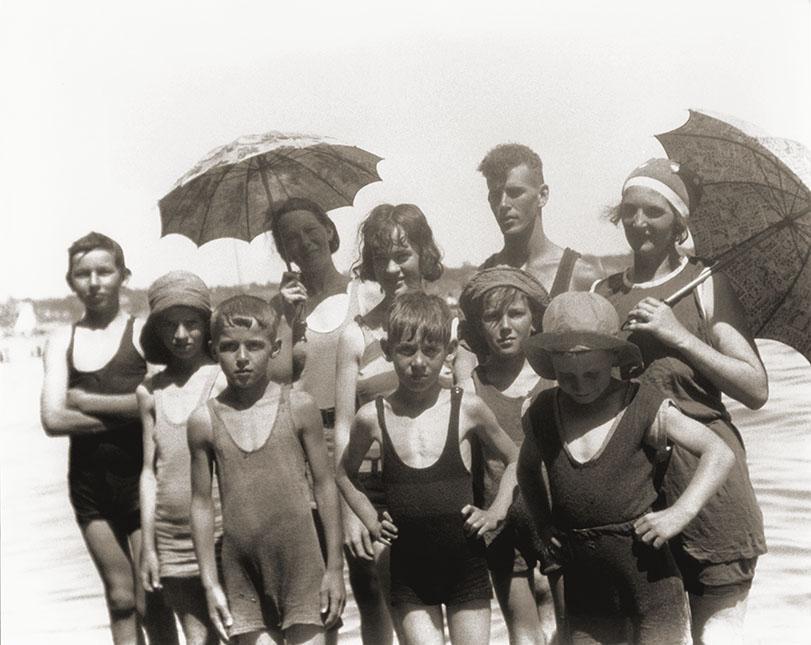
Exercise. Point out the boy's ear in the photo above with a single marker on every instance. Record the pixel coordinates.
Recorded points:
(543, 195)
(212, 350)
(275, 348)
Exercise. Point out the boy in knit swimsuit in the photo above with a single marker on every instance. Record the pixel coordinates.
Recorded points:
(437, 555)
(278, 589)
(599, 437)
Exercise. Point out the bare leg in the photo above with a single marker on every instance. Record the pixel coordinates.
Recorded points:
(270, 637)
(469, 622)
(517, 600)
(546, 606)
(111, 556)
(370, 589)
(304, 635)
(718, 619)
(157, 619)
(419, 624)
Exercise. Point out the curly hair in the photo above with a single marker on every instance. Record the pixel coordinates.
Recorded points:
(375, 237)
(499, 161)
(273, 219)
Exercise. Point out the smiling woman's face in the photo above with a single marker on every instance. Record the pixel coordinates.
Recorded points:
(397, 267)
(305, 239)
(649, 221)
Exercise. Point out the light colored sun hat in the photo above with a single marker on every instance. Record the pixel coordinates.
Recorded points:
(578, 321)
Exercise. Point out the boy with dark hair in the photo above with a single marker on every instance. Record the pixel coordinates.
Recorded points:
(517, 194)
(432, 524)
(260, 433)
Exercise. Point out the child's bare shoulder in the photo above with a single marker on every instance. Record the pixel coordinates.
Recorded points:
(366, 415)
(199, 425)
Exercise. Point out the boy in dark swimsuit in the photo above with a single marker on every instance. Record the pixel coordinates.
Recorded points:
(437, 555)
(599, 437)
(277, 586)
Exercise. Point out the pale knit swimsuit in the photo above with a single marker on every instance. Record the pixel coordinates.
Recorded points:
(104, 468)
(511, 548)
(611, 577)
(718, 550)
(173, 488)
(271, 560)
(433, 561)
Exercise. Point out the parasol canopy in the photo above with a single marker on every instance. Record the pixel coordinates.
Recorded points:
(228, 193)
(753, 220)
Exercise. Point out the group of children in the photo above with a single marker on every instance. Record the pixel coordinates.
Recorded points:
(239, 503)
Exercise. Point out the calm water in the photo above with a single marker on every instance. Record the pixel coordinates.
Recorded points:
(51, 593)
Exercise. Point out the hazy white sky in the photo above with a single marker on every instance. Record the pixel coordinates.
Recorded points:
(106, 104)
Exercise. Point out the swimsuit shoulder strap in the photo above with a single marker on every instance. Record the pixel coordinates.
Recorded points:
(563, 277)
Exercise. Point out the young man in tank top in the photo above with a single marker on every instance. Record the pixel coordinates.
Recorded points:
(432, 524)
(278, 588)
(517, 194)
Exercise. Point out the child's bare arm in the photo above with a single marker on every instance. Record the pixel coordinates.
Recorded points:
(363, 432)
(531, 480)
(349, 353)
(149, 566)
(122, 405)
(201, 446)
(484, 425)
(308, 421)
(58, 418)
(715, 462)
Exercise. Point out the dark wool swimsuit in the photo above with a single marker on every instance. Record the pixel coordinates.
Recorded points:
(611, 577)
(104, 468)
(721, 545)
(433, 562)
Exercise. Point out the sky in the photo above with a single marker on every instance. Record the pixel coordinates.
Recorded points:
(105, 105)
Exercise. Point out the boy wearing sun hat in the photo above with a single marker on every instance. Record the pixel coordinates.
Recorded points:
(598, 437)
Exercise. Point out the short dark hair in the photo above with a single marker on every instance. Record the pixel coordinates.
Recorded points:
(93, 241)
(418, 312)
(242, 311)
(273, 218)
(499, 161)
(374, 236)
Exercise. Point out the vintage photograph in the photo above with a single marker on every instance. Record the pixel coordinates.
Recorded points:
(420, 323)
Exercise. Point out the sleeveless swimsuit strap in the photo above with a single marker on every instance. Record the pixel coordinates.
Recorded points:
(563, 277)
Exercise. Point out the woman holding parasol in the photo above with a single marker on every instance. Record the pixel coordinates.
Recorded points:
(694, 350)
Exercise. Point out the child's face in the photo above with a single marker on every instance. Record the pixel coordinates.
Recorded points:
(417, 361)
(182, 330)
(583, 376)
(95, 279)
(397, 268)
(244, 354)
(506, 328)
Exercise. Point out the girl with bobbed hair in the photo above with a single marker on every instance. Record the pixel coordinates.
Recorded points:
(694, 350)
(398, 252)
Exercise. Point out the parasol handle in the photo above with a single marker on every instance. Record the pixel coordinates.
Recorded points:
(701, 277)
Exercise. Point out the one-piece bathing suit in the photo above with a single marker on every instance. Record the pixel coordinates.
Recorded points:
(104, 468)
(432, 560)
(271, 559)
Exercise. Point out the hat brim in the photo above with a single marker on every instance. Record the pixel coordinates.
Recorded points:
(540, 347)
